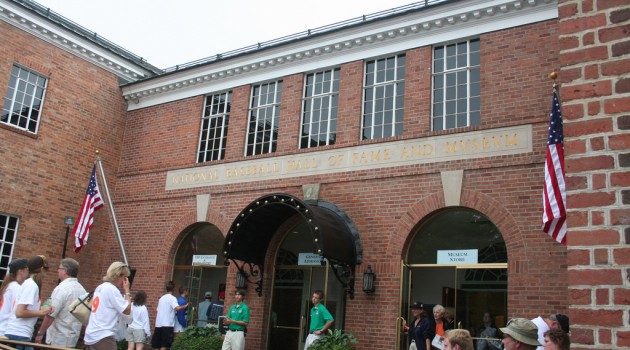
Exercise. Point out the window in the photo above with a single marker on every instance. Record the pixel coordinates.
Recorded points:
(8, 232)
(214, 127)
(262, 136)
(319, 113)
(23, 103)
(456, 90)
(383, 97)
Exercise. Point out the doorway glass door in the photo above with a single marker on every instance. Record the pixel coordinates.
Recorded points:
(295, 280)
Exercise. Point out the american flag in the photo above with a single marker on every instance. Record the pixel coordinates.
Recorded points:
(554, 193)
(91, 203)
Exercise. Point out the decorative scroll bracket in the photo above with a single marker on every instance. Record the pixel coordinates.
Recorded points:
(252, 273)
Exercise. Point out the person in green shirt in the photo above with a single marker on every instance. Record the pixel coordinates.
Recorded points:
(237, 320)
(321, 319)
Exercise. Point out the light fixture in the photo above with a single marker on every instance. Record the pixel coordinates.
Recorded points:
(68, 220)
(368, 280)
(241, 280)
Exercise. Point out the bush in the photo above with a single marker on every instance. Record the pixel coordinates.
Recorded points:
(335, 340)
(121, 345)
(198, 338)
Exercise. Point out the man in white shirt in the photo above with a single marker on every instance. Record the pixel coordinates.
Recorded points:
(27, 305)
(555, 321)
(165, 319)
(61, 328)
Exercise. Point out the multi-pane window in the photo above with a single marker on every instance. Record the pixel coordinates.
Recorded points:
(8, 233)
(264, 113)
(456, 90)
(383, 97)
(214, 127)
(23, 102)
(319, 113)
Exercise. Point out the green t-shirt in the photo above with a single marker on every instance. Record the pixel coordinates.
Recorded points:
(238, 312)
(319, 317)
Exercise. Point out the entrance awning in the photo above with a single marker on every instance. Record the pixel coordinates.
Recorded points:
(334, 235)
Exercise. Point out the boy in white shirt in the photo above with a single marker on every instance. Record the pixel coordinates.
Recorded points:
(165, 319)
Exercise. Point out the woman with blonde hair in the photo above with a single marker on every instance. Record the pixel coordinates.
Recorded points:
(108, 304)
(457, 339)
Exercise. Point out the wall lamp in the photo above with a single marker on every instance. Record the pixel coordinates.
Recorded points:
(241, 280)
(69, 221)
(368, 280)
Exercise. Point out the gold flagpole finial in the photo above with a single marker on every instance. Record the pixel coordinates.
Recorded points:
(553, 75)
(97, 152)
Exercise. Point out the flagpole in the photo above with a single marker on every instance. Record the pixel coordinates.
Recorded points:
(111, 208)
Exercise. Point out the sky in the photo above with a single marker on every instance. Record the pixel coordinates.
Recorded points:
(168, 32)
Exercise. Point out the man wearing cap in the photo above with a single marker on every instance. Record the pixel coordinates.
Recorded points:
(27, 305)
(202, 310)
(520, 334)
(555, 321)
(17, 274)
(61, 328)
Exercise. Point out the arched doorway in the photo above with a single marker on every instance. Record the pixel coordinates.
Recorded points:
(199, 265)
(319, 249)
(457, 258)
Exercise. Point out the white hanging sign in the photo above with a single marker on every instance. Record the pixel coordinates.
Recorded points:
(309, 259)
(465, 256)
(204, 260)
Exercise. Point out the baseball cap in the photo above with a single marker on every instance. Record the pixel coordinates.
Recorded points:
(208, 294)
(36, 263)
(522, 330)
(18, 264)
(417, 305)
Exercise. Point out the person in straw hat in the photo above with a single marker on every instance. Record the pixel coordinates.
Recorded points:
(520, 334)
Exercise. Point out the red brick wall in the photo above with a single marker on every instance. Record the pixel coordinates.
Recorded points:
(595, 76)
(385, 204)
(44, 177)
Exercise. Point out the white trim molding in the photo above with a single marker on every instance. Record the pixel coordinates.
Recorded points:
(53, 33)
(431, 25)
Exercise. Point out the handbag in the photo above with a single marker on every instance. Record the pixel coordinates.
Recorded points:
(81, 308)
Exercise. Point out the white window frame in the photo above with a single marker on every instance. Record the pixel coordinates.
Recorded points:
(376, 85)
(445, 104)
(315, 98)
(4, 258)
(27, 88)
(218, 132)
(258, 106)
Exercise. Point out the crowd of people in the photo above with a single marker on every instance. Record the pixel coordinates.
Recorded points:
(439, 332)
(21, 307)
(111, 307)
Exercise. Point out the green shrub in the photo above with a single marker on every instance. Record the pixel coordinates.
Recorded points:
(335, 340)
(198, 338)
(121, 345)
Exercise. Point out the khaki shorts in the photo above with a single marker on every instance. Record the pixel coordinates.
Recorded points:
(136, 335)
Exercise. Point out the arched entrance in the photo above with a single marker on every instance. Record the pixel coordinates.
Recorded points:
(457, 258)
(199, 265)
(320, 249)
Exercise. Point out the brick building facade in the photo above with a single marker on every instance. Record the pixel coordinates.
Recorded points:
(217, 160)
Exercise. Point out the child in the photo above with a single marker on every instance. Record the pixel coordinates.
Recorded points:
(139, 330)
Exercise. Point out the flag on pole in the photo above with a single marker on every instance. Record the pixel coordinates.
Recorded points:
(554, 192)
(91, 203)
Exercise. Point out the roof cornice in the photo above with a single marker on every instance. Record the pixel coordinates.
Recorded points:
(20, 16)
(434, 25)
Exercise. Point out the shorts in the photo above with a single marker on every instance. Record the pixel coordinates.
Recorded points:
(162, 337)
(103, 344)
(136, 335)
